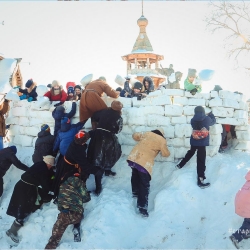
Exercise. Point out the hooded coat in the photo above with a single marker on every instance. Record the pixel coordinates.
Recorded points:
(24, 195)
(91, 100)
(65, 136)
(151, 84)
(148, 146)
(104, 149)
(7, 158)
(59, 114)
(189, 86)
(199, 121)
(242, 199)
(60, 97)
(4, 107)
(43, 146)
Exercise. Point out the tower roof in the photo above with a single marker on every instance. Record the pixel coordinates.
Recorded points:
(142, 43)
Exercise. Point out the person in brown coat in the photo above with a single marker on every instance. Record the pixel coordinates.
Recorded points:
(91, 100)
(141, 160)
(4, 107)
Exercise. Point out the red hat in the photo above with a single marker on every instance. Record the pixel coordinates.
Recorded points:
(80, 134)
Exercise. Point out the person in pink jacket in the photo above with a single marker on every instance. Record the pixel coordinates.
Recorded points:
(242, 208)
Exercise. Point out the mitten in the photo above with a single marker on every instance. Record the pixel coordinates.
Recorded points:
(23, 97)
(30, 99)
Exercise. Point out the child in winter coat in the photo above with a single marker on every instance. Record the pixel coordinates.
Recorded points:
(59, 112)
(29, 92)
(189, 83)
(242, 208)
(72, 194)
(141, 160)
(198, 141)
(71, 95)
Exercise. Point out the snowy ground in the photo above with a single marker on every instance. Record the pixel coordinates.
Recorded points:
(181, 215)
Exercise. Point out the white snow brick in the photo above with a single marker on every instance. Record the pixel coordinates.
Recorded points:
(214, 94)
(20, 111)
(141, 103)
(227, 94)
(43, 114)
(176, 142)
(126, 140)
(12, 120)
(141, 111)
(183, 130)
(215, 129)
(23, 103)
(212, 150)
(187, 142)
(180, 100)
(23, 140)
(173, 110)
(22, 130)
(223, 112)
(180, 152)
(215, 140)
(196, 102)
(127, 130)
(242, 128)
(243, 145)
(37, 121)
(243, 106)
(188, 110)
(42, 103)
(243, 135)
(157, 120)
(179, 119)
(189, 117)
(24, 121)
(229, 103)
(173, 92)
(232, 121)
(160, 100)
(125, 119)
(14, 130)
(197, 95)
(240, 114)
(170, 158)
(206, 96)
(168, 131)
(32, 131)
(216, 102)
(155, 93)
(126, 149)
(127, 102)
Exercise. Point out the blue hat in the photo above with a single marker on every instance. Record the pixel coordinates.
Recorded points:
(29, 83)
(70, 90)
(13, 148)
(45, 127)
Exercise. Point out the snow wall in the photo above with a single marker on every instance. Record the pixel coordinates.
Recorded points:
(171, 109)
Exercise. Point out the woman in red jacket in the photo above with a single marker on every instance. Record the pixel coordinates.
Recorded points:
(56, 93)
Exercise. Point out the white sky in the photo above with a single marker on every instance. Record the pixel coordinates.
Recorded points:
(68, 40)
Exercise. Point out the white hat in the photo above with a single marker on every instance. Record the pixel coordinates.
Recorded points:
(161, 130)
(49, 159)
(86, 79)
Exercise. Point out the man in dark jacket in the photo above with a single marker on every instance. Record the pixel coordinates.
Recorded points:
(8, 157)
(59, 112)
(199, 121)
(25, 194)
(44, 144)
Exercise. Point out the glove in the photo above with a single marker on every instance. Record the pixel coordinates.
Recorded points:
(193, 91)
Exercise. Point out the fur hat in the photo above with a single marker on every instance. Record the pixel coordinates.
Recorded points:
(55, 83)
(102, 78)
(138, 85)
(70, 90)
(14, 149)
(49, 159)
(45, 127)
(77, 87)
(192, 73)
(81, 137)
(29, 83)
(199, 109)
(116, 105)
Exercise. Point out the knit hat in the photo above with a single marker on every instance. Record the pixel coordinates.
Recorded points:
(118, 89)
(102, 78)
(29, 83)
(49, 86)
(116, 105)
(77, 87)
(49, 159)
(199, 109)
(60, 108)
(45, 127)
(192, 73)
(138, 85)
(55, 83)
(70, 90)
(81, 137)
(65, 120)
(128, 77)
(14, 149)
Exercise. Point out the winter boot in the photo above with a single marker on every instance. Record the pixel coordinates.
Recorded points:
(12, 232)
(235, 241)
(98, 182)
(77, 234)
(110, 173)
(201, 183)
(143, 212)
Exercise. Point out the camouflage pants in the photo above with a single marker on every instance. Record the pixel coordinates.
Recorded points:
(63, 220)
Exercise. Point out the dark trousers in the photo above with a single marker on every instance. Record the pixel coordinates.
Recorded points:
(140, 183)
(244, 230)
(1, 186)
(201, 159)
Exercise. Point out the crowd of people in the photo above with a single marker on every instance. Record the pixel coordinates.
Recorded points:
(65, 160)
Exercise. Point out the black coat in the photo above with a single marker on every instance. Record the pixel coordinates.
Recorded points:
(43, 146)
(8, 157)
(31, 94)
(24, 195)
(104, 149)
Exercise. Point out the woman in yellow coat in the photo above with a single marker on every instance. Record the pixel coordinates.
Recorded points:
(141, 160)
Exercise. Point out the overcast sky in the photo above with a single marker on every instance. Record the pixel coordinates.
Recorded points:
(68, 40)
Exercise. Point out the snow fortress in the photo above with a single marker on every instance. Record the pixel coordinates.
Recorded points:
(171, 109)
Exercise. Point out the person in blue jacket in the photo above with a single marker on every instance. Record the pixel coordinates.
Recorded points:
(199, 121)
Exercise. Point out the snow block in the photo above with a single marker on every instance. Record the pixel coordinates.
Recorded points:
(243, 135)
(243, 106)
(188, 110)
(223, 112)
(176, 142)
(227, 94)
(20, 111)
(243, 145)
(160, 100)
(180, 100)
(24, 121)
(242, 128)
(180, 152)
(173, 92)
(232, 121)
(206, 96)
(127, 102)
(157, 120)
(127, 130)
(23, 140)
(173, 110)
(216, 102)
(183, 130)
(229, 103)
(12, 120)
(179, 119)
(196, 102)
(212, 150)
(42, 103)
(215, 140)
(141, 103)
(14, 130)
(215, 129)
(240, 114)
(187, 142)
(214, 94)
(197, 95)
